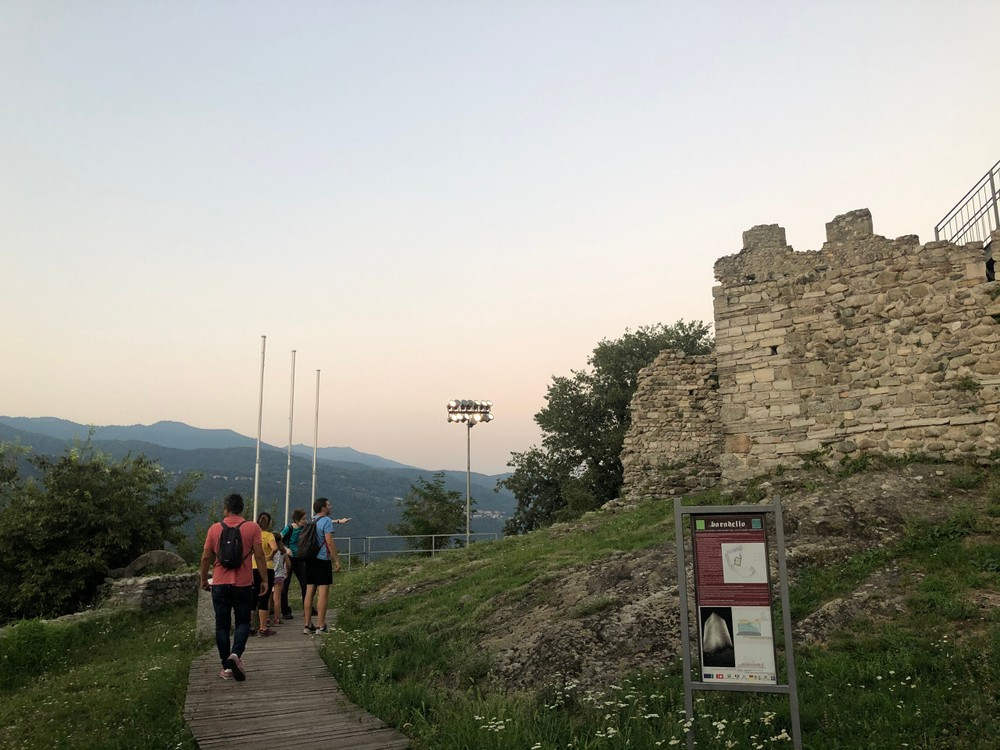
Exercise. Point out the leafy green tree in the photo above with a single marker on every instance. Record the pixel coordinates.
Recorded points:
(578, 466)
(428, 508)
(84, 514)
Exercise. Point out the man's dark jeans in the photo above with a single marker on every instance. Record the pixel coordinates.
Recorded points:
(229, 600)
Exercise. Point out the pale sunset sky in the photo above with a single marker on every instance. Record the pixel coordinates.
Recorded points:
(435, 200)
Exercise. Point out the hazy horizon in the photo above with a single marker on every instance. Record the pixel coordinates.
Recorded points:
(434, 200)
(281, 447)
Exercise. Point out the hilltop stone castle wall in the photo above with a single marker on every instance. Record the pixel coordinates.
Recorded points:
(675, 439)
(867, 345)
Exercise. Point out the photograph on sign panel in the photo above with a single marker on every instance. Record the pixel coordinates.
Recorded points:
(753, 640)
(717, 637)
(744, 563)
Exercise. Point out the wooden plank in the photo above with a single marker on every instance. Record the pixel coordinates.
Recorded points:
(305, 707)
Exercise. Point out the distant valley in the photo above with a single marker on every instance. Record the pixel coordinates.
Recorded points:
(362, 486)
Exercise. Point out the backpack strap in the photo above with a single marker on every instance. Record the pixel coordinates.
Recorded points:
(238, 526)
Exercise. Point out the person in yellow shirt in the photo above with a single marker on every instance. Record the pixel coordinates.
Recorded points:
(270, 546)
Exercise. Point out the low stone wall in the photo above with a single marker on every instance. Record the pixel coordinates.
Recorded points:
(153, 592)
(674, 441)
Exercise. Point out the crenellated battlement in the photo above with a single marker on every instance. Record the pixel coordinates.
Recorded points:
(868, 344)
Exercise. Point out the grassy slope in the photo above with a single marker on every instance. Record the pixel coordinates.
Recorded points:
(115, 681)
(408, 647)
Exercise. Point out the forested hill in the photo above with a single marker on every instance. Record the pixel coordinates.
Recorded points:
(179, 435)
(367, 494)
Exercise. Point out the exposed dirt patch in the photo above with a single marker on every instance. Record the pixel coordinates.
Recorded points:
(637, 624)
(879, 598)
(621, 614)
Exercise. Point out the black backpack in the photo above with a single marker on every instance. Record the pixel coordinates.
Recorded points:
(230, 553)
(309, 543)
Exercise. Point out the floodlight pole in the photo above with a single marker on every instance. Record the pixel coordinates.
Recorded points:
(469, 412)
(468, 483)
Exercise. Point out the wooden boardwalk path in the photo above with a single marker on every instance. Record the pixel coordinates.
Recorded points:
(289, 699)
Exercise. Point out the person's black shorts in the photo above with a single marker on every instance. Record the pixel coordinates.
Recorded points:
(263, 602)
(319, 572)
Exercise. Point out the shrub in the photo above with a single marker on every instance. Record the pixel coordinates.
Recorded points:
(85, 513)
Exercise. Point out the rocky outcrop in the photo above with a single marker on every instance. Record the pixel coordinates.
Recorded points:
(595, 622)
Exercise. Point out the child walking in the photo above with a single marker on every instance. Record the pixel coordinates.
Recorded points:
(281, 561)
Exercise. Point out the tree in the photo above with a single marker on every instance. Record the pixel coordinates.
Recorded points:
(429, 509)
(84, 514)
(578, 466)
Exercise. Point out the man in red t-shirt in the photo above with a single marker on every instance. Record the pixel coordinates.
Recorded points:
(232, 588)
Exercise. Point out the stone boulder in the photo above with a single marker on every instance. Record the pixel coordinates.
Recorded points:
(157, 561)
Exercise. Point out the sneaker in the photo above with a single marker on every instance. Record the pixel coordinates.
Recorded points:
(235, 665)
(309, 629)
(226, 674)
(287, 615)
(266, 632)
(322, 631)
(253, 631)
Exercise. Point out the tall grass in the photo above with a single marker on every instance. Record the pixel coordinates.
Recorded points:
(927, 679)
(115, 681)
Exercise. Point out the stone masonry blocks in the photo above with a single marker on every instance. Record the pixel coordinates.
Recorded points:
(854, 225)
(867, 344)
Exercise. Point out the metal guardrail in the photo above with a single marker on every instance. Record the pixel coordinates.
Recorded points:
(368, 550)
(976, 215)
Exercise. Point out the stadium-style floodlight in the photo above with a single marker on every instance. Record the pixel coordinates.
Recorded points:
(469, 412)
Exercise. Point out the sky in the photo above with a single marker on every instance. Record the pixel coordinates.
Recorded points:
(434, 200)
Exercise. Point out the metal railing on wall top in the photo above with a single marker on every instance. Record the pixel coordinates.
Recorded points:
(975, 216)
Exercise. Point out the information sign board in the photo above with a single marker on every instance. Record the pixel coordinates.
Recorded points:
(733, 598)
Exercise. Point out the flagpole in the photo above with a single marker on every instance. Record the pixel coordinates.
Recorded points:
(260, 420)
(291, 411)
(315, 438)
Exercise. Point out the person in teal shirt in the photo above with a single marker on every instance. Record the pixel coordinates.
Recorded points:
(290, 536)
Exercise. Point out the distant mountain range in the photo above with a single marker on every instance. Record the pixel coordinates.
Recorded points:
(182, 436)
(363, 486)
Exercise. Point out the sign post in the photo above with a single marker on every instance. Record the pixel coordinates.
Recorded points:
(733, 606)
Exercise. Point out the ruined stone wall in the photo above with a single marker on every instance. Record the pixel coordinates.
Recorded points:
(152, 592)
(674, 442)
(867, 345)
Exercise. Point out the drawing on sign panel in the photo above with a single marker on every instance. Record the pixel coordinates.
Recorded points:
(744, 563)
